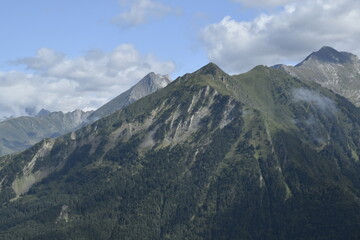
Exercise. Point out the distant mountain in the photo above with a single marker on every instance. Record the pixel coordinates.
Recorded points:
(43, 112)
(338, 71)
(261, 155)
(149, 84)
(18, 134)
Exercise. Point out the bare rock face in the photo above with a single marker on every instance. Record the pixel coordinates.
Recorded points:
(338, 71)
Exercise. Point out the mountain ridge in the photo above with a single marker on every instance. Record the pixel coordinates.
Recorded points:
(211, 156)
(17, 134)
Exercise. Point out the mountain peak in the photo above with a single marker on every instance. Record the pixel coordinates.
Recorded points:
(154, 79)
(211, 69)
(338, 71)
(330, 55)
(147, 85)
(42, 113)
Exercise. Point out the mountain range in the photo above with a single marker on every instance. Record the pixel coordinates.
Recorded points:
(18, 134)
(338, 71)
(260, 155)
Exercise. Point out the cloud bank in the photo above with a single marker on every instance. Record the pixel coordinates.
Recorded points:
(58, 83)
(283, 37)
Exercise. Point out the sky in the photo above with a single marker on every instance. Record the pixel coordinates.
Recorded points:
(63, 55)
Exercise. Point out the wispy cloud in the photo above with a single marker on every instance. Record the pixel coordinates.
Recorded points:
(310, 123)
(141, 11)
(263, 3)
(61, 83)
(323, 103)
(302, 26)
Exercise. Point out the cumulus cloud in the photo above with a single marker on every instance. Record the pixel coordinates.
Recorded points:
(300, 28)
(141, 11)
(58, 83)
(44, 58)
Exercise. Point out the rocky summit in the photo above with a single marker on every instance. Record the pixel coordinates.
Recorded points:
(149, 84)
(338, 71)
(260, 155)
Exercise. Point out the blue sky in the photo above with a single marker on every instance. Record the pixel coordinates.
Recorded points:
(75, 27)
(63, 55)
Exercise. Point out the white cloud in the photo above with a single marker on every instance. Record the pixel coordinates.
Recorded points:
(59, 83)
(141, 11)
(299, 29)
(44, 58)
(263, 3)
(323, 103)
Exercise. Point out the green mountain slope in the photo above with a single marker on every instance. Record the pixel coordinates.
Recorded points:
(259, 155)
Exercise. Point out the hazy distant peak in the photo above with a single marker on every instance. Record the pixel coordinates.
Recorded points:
(147, 85)
(278, 66)
(42, 113)
(154, 79)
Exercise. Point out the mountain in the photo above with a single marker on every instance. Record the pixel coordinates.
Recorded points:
(43, 112)
(149, 84)
(261, 155)
(338, 71)
(18, 134)
(31, 112)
